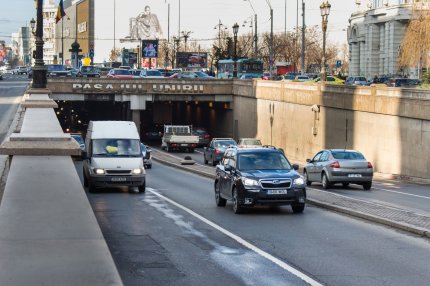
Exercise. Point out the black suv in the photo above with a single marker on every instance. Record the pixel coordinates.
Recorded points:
(258, 176)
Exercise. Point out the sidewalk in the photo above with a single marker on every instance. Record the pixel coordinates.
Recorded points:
(394, 217)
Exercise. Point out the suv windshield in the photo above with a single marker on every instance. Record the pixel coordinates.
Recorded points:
(263, 161)
(116, 147)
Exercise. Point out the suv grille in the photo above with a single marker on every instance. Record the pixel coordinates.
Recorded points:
(276, 183)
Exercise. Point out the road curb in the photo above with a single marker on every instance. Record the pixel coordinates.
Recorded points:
(398, 225)
(394, 224)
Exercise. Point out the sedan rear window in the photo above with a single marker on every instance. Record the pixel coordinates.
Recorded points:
(346, 155)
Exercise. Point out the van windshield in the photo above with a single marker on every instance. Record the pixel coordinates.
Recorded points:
(116, 148)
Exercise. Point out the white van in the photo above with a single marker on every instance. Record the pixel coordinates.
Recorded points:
(113, 156)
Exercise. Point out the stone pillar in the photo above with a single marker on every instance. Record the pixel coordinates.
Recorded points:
(135, 117)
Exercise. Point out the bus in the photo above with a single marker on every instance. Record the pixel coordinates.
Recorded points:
(251, 67)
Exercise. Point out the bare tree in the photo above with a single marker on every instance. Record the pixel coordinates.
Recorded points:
(114, 54)
(416, 43)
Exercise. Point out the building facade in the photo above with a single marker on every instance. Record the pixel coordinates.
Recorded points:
(375, 33)
(49, 47)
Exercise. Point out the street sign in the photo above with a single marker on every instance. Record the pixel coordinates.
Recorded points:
(338, 63)
(91, 53)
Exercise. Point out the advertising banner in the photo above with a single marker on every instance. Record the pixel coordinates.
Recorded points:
(149, 48)
(191, 60)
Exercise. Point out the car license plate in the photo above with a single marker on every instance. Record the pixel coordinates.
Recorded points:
(118, 179)
(276, 192)
(354, 175)
(184, 144)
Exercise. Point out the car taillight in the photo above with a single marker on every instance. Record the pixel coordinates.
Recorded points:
(206, 136)
(193, 145)
(369, 165)
(216, 151)
(335, 165)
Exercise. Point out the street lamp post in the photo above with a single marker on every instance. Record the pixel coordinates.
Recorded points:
(39, 69)
(186, 35)
(235, 31)
(325, 11)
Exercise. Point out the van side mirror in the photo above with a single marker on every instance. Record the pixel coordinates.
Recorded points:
(295, 167)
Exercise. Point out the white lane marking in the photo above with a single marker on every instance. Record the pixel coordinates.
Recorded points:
(197, 151)
(242, 241)
(402, 193)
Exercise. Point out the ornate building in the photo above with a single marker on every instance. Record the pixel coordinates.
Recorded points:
(375, 33)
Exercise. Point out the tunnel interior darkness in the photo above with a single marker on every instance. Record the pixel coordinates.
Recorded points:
(215, 117)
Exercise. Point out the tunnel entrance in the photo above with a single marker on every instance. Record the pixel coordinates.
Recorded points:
(215, 117)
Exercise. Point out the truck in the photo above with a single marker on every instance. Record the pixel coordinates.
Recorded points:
(179, 137)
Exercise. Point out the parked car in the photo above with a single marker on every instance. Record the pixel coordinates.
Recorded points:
(146, 154)
(356, 80)
(249, 142)
(204, 137)
(331, 80)
(57, 71)
(403, 82)
(249, 76)
(302, 78)
(184, 74)
(215, 150)
(203, 75)
(74, 72)
(120, 73)
(89, 71)
(136, 72)
(152, 73)
(262, 176)
(339, 166)
(22, 70)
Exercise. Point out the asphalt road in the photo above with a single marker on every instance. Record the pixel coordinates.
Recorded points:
(12, 87)
(407, 196)
(167, 237)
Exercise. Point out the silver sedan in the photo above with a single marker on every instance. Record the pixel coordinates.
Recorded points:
(339, 166)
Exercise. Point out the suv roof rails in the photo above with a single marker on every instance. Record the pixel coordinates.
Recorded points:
(269, 146)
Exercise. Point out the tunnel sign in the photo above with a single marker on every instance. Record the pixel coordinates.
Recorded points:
(154, 88)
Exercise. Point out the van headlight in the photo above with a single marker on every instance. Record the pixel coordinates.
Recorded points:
(137, 171)
(249, 182)
(99, 171)
(299, 181)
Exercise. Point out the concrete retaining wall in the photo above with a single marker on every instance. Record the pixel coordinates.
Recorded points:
(390, 126)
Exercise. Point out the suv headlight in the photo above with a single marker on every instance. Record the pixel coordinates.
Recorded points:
(137, 171)
(249, 182)
(299, 181)
(99, 171)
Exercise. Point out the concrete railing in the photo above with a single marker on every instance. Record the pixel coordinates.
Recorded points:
(48, 232)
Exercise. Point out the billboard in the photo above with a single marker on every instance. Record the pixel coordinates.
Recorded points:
(191, 60)
(149, 48)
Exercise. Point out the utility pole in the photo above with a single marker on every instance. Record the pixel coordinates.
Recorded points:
(271, 43)
(303, 38)
(255, 39)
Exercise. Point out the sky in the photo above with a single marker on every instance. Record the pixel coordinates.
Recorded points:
(198, 16)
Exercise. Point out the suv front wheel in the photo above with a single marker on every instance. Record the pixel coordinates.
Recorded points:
(298, 208)
(237, 207)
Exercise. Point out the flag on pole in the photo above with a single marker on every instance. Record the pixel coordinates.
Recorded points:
(60, 12)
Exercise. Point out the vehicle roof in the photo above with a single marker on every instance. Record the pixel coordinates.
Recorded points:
(342, 150)
(252, 150)
(113, 129)
(214, 139)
